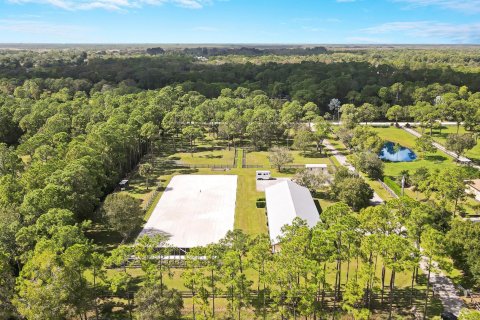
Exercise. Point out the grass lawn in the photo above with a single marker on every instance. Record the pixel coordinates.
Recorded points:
(309, 157)
(440, 136)
(261, 158)
(438, 160)
(219, 157)
(248, 217)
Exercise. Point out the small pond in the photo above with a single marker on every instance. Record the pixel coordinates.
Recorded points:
(396, 153)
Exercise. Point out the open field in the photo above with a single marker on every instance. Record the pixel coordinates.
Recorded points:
(437, 160)
(440, 136)
(261, 158)
(214, 157)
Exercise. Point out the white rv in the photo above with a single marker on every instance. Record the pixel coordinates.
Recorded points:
(263, 175)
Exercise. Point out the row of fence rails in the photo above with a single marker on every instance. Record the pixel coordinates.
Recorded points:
(204, 165)
(173, 262)
(386, 187)
(152, 197)
(401, 299)
(291, 166)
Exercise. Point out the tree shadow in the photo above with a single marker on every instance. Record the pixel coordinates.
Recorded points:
(211, 156)
(105, 238)
(188, 171)
(435, 158)
(314, 154)
(289, 170)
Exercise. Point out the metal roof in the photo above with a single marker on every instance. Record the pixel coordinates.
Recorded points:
(286, 201)
(195, 210)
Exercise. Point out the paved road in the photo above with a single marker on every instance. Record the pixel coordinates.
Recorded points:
(438, 146)
(383, 124)
(344, 162)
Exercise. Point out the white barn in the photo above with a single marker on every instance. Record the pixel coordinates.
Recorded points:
(286, 201)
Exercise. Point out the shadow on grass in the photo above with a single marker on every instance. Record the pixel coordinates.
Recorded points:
(321, 195)
(435, 158)
(104, 237)
(188, 171)
(313, 154)
(289, 170)
(210, 156)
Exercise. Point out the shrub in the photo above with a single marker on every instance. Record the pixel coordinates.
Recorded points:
(261, 204)
(393, 185)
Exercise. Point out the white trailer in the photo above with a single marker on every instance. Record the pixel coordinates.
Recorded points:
(263, 175)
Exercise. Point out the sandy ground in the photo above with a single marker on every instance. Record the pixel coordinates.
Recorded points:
(195, 210)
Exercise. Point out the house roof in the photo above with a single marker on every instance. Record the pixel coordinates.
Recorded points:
(286, 201)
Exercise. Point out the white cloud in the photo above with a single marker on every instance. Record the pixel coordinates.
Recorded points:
(467, 6)
(437, 31)
(367, 40)
(116, 5)
(41, 28)
(312, 29)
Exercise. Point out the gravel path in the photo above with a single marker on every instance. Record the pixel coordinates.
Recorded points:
(444, 289)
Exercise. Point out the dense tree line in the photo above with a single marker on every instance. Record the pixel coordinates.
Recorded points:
(380, 78)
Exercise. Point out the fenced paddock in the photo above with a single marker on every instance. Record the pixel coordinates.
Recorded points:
(195, 210)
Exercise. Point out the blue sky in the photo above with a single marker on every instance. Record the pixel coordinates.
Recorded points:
(241, 21)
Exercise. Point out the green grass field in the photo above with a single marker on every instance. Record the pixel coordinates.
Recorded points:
(218, 157)
(437, 160)
(440, 136)
(261, 158)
